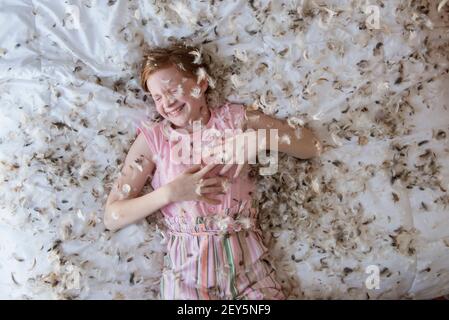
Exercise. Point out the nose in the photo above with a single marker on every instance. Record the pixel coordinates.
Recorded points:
(167, 98)
(168, 102)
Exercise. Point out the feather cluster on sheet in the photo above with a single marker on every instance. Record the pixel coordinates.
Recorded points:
(371, 78)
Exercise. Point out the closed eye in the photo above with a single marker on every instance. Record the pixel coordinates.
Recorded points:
(158, 98)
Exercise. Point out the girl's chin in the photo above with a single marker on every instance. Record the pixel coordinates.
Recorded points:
(179, 121)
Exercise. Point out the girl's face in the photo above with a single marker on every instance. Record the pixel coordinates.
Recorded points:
(177, 97)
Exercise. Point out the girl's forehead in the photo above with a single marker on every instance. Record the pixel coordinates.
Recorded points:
(171, 73)
(164, 82)
(165, 78)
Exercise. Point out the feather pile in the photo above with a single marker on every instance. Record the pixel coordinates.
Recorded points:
(376, 97)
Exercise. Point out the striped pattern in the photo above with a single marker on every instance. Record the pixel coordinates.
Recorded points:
(218, 266)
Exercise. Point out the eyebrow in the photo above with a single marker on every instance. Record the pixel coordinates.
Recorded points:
(174, 87)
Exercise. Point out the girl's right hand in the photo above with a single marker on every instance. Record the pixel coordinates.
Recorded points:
(191, 185)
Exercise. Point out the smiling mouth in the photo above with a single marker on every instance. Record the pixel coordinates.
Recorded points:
(177, 111)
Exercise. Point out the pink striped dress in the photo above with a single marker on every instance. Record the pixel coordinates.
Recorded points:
(214, 251)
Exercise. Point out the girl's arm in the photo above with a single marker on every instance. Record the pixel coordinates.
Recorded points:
(298, 142)
(122, 206)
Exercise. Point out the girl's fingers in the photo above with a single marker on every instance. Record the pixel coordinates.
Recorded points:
(206, 169)
(238, 170)
(212, 181)
(193, 168)
(212, 190)
(226, 168)
(210, 200)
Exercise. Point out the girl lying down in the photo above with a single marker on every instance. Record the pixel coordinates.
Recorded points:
(215, 247)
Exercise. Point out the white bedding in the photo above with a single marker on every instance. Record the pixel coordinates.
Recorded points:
(69, 98)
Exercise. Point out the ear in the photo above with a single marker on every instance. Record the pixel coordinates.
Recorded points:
(204, 85)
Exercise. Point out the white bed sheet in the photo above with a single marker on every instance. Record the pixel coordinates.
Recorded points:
(69, 98)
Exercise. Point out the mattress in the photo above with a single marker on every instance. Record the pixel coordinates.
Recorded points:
(368, 219)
